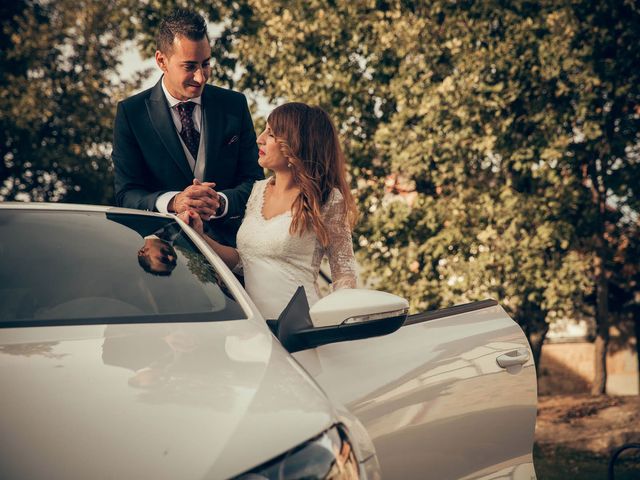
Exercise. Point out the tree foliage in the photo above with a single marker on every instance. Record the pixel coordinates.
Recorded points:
(59, 85)
(494, 145)
(516, 123)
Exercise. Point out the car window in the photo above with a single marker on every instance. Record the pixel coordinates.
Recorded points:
(88, 267)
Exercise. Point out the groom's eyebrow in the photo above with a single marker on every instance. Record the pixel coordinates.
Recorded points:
(193, 62)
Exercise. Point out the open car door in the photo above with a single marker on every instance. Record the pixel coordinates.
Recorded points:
(450, 395)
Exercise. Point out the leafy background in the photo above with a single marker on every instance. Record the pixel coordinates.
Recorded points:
(493, 146)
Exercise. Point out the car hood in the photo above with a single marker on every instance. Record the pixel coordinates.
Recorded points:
(188, 400)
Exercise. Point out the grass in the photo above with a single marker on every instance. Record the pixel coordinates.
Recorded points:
(561, 463)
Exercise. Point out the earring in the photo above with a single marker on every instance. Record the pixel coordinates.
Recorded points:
(289, 164)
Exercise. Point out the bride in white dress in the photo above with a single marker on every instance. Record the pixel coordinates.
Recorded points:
(305, 211)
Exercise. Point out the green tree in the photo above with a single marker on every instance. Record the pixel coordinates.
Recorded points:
(473, 137)
(443, 94)
(59, 85)
(525, 113)
(596, 58)
(514, 126)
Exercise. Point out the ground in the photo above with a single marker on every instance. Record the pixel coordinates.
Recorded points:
(575, 435)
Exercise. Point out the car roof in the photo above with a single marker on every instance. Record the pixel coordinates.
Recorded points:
(74, 207)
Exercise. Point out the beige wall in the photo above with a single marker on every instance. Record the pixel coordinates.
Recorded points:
(569, 368)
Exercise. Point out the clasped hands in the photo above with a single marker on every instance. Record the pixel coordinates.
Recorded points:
(199, 197)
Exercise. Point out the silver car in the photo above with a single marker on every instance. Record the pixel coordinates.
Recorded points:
(128, 350)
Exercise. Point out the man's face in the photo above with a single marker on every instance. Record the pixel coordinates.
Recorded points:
(161, 255)
(186, 67)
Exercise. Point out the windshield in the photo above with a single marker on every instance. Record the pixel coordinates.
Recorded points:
(61, 268)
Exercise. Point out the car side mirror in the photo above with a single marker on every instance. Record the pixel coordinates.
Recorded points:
(344, 315)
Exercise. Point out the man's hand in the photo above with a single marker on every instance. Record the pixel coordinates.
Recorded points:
(200, 197)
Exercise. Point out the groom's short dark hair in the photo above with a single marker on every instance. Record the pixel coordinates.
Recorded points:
(183, 22)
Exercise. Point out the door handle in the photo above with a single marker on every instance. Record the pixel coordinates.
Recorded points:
(515, 357)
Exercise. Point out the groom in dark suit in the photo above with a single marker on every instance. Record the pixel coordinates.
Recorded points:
(184, 144)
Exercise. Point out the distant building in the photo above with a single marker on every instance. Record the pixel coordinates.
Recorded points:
(567, 364)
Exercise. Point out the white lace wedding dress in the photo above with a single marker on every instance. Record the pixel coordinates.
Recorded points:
(274, 262)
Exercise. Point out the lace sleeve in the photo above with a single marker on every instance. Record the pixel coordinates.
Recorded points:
(340, 249)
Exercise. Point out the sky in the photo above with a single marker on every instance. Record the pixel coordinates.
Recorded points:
(132, 62)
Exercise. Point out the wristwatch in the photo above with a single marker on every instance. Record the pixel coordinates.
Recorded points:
(222, 206)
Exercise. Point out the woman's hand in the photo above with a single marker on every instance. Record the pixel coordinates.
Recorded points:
(229, 255)
(191, 218)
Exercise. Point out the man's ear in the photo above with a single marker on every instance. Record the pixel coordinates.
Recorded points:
(161, 60)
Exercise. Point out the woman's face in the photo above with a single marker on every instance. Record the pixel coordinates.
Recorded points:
(269, 154)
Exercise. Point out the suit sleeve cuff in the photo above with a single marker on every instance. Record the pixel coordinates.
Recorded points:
(162, 202)
(225, 210)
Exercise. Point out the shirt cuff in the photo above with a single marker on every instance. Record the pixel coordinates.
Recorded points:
(226, 207)
(162, 202)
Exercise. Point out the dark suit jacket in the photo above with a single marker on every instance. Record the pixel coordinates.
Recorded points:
(149, 159)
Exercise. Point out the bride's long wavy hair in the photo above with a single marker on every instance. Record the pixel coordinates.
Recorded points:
(309, 141)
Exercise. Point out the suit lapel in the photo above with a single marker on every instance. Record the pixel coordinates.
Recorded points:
(165, 128)
(213, 128)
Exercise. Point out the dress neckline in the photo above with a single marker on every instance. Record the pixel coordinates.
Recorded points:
(262, 198)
